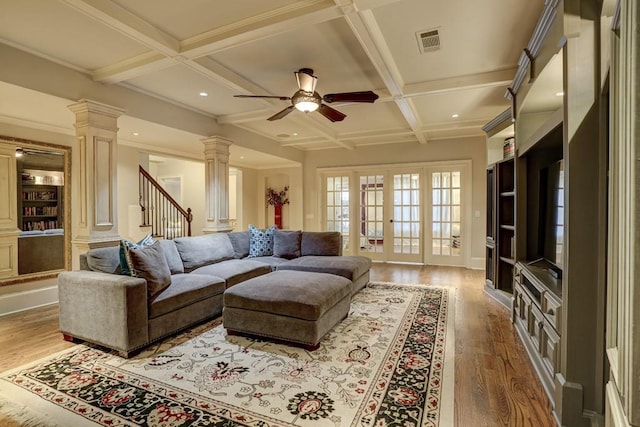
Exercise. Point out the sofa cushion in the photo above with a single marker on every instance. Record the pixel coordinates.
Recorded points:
(234, 271)
(203, 250)
(272, 261)
(125, 262)
(261, 241)
(350, 267)
(149, 263)
(240, 242)
(322, 243)
(185, 289)
(286, 244)
(172, 256)
(289, 293)
(105, 260)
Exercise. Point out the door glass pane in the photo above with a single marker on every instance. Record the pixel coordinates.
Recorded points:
(406, 214)
(446, 208)
(372, 213)
(338, 207)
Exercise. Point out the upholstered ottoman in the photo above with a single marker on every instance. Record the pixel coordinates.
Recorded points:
(294, 306)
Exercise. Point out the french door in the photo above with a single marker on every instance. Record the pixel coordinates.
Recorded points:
(448, 232)
(389, 222)
(413, 214)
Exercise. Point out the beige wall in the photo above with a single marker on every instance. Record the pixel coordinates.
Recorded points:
(193, 186)
(473, 149)
(292, 214)
(127, 188)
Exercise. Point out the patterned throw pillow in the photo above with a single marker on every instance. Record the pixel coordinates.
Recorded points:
(125, 260)
(261, 241)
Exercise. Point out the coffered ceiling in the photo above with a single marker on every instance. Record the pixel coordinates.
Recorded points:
(174, 51)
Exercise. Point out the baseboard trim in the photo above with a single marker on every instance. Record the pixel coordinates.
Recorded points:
(26, 300)
(478, 263)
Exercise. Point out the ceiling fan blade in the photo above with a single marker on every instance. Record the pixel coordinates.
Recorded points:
(331, 113)
(281, 98)
(366, 96)
(281, 114)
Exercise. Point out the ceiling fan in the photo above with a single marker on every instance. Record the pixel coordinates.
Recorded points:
(306, 99)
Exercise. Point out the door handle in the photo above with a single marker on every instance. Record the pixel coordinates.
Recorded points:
(391, 220)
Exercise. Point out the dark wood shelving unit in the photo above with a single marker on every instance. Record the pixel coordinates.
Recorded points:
(490, 258)
(505, 230)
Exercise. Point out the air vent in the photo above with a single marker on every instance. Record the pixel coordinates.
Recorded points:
(428, 41)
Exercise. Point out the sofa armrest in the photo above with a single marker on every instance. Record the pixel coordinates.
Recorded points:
(106, 309)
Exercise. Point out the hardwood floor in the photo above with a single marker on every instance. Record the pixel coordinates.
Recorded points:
(495, 384)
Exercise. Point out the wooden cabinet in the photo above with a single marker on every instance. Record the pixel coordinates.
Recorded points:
(537, 308)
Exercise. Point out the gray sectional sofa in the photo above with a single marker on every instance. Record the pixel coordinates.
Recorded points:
(102, 306)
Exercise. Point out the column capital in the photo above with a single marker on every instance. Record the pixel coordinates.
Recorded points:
(87, 105)
(95, 114)
(215, 140)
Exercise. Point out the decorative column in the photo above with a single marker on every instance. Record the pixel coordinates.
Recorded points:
(216, 171)
(94, 177)
(8, 212)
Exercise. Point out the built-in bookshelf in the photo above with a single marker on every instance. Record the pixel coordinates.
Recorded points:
(40, 204)
(505, 225)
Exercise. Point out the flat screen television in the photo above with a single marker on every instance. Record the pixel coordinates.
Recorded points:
(551, 214)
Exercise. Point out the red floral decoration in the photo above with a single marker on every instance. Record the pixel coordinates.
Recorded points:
(277, 198)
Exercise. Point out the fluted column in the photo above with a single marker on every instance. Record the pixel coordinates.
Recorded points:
(216, 156)
(94, 172)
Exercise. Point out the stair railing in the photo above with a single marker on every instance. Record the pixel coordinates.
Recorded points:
(166, 217)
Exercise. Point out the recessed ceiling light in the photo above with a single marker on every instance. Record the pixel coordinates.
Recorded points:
(295, 134)
(135, 133)
(241, 157)
(559, 93)
(455, 116)
(204, 94)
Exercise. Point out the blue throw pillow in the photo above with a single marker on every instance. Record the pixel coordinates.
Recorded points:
(261, 241)
(125, 260)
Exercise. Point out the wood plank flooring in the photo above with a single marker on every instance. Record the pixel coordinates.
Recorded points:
(495, 383)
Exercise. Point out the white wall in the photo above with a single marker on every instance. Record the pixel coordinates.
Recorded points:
(473, 149)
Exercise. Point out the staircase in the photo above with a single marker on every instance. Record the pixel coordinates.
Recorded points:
(166, 217)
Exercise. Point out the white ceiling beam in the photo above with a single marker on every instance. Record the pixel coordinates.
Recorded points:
(412, 117)
(323, 130)
(131, 68)
(366, 29)
(301, 14)
(500, 78)
(455, 125)
(120, 19)
(245, 117)
(224, 76)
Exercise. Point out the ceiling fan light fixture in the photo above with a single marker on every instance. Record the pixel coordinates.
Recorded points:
(306, 102)
(307, 106)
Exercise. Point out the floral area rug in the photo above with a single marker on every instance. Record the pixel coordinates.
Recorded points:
(384, 365)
